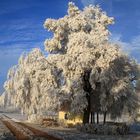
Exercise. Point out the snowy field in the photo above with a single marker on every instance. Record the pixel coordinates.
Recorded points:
(5, 133)
(12, 113)
(73, 134)
(65, 133)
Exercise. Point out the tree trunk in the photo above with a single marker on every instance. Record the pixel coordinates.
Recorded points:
(86, 115)
(87, 88)
(97, 118)
(104, 117)
(91, 117)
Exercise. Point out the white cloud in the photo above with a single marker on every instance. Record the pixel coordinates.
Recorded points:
(132, 47)
(88, 2)
(21, 30)
(136, 42)
(117, 38)
(15, 6)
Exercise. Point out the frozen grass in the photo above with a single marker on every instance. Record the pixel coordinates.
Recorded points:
(72, 133)
(5, 133)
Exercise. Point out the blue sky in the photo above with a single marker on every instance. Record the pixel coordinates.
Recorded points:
(21, 26)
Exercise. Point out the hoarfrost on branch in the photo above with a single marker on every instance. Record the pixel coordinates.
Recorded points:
(80, 46)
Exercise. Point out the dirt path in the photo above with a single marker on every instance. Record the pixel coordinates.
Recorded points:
(24, 132)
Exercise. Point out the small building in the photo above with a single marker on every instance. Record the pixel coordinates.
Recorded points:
(65, 117)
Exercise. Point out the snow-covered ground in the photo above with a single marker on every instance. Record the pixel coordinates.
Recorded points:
(73, 134)
(12, 113)
(15, 116)
(5, 133)
(66, 133)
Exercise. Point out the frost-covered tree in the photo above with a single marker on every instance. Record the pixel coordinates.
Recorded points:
(82, 68)
(96, 72)
(32, 84)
